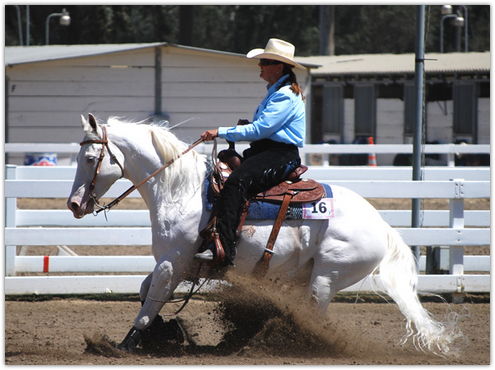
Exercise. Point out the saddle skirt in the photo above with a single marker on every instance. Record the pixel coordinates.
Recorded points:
(304, 190)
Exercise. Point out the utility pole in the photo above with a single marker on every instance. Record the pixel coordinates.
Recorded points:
(418, 134)
(327, 22)
(186, 25)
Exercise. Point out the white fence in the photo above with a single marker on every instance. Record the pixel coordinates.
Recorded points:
(449, 150)
(131, 227)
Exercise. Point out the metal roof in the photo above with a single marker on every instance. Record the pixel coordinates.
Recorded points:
(379, 64)
(357, 64)
(33, 54)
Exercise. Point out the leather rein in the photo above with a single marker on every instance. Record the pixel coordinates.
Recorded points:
(104, 142)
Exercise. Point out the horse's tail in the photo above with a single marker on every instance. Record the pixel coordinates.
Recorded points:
(399, 279)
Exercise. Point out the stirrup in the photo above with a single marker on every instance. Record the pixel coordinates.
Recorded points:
(215, 252)
(207, 256)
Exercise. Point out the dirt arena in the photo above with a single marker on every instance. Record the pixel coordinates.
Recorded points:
(74, 331)
(251, 325)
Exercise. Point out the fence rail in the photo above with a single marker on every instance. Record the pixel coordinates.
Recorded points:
(442, 229)
(450, 150)
(366, 188)
(328, 173)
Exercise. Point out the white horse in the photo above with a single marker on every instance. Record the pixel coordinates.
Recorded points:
(341, 250)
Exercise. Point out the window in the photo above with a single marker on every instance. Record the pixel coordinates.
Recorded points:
(333, 109)
(410, 109)
(465, 111)
(327, 111)
(316, 113)
(364, 110)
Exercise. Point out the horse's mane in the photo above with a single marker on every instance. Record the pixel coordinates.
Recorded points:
(183, 174)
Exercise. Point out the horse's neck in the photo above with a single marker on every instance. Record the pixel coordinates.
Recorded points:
(171, 200)
(179, 216)
(139, 164)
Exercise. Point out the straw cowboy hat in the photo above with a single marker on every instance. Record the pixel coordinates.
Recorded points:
(277, 50)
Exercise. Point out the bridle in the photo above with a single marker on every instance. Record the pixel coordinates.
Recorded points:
(104, 142)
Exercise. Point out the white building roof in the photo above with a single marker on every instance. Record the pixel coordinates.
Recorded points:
(33, 54)
(357, 64)
(472, 62)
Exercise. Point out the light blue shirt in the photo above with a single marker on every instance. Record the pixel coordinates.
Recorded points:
(280, 117)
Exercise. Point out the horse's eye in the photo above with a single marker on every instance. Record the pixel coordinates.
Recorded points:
(91, 159)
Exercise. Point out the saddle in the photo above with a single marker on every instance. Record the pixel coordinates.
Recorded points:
(304, 190)
(293, 190)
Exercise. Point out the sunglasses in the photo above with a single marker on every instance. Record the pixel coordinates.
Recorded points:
(268, 62)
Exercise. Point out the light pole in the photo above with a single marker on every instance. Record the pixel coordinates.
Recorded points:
(19, 23)
(27, 25)
(458, 23)
(64, 21)
(441, 29)
(465, 28)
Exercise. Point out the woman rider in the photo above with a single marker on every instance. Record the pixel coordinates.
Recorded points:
(277, 130)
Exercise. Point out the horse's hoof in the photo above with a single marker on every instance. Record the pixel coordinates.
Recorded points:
(124, 348)
(131, 340)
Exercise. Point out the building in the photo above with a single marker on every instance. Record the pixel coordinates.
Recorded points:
(374, 95)
(48, 88)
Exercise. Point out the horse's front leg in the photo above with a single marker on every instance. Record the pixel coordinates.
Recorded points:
(161, 286)
(145, 287)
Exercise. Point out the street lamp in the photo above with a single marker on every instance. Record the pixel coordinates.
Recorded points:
(465, 28)
(64, 21)
(446, 9)
(458, 23)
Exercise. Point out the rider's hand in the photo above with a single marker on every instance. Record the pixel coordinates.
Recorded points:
(209, 135)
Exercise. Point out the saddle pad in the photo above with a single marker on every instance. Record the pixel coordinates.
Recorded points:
(259, 210)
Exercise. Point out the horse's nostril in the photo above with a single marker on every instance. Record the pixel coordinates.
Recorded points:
(74, 206)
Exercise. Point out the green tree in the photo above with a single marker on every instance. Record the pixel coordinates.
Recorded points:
(359, 29)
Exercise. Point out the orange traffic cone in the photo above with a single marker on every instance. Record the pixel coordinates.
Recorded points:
(371, 156)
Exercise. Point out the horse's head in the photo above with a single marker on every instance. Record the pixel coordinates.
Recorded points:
(98, 167)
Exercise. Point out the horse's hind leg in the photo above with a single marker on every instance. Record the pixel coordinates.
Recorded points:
(321, 290)
(329, 278)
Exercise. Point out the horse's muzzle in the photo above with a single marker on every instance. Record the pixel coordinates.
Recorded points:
(77, 208)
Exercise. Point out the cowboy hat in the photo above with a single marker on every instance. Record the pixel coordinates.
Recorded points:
(277, 50)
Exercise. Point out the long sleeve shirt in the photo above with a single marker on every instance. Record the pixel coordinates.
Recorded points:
(279, 117)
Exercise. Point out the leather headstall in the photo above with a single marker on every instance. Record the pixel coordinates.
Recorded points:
(104, 143)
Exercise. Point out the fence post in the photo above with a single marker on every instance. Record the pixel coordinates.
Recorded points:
(10, 221)
(451, 159)
(456, 221)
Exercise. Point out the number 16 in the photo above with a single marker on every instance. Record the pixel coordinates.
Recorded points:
(322, 207)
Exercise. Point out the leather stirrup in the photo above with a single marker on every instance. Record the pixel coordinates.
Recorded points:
(262, 266)
(219, 252)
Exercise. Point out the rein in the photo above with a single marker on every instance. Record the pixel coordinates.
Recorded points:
(104, 142)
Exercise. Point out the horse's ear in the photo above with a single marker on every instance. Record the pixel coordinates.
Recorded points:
(92, 121)
(90, 126)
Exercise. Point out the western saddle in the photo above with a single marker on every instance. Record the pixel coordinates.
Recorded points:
(293, 190)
